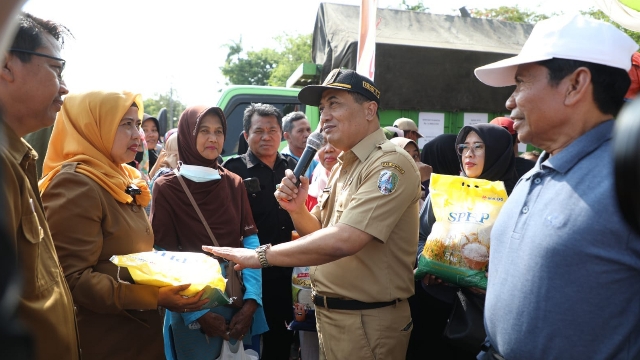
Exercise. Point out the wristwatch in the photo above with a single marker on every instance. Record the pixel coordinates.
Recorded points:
(262, 255)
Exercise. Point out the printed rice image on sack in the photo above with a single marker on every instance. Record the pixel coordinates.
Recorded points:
(304, 310)
(457, 250)
(164, 268)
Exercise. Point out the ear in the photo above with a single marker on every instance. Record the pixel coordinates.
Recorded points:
(246, 136)
(287, 136)
(579, 87)
(8, 62)
(370, 110)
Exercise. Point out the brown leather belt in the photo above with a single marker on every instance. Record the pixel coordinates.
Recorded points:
(342, 304)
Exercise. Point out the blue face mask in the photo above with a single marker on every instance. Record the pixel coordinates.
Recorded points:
(199, 173)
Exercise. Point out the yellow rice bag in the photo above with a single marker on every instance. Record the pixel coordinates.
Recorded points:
(457, 250)
(163, 268)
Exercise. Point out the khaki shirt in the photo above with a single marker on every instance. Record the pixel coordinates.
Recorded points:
(117, 318)
(46, 306)
(375, 187)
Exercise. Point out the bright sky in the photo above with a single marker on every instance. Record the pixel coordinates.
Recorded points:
(151, 46)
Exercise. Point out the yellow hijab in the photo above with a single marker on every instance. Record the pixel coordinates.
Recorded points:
(84, 132)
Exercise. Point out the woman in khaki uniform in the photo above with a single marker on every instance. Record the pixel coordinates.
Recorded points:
(94, 207)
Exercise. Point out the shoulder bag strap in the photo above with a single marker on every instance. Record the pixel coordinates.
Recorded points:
(195, 206)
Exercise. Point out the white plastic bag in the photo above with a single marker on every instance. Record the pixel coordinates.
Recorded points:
(234, 352)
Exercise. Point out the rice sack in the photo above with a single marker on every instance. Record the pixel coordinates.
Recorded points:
(164, 268)
(457, 250)
(304, 313)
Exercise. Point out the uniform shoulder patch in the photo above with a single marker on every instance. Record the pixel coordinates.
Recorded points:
(387, 182)
(393, 165)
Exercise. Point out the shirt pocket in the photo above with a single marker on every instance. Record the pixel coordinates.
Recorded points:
(40, 267)
(256, 200)
(324, 198)
(31, 228)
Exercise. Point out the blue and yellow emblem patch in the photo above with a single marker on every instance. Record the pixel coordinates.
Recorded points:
(387, 182)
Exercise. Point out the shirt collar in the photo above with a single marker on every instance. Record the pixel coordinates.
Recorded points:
(252, 159)
(287, 151)
(365, 146)
(578, 149)
(17, 147)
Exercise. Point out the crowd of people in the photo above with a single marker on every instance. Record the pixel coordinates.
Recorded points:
(561, 279)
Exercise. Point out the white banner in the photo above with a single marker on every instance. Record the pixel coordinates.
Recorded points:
(430, 125)
(475, 118)
(367, 40)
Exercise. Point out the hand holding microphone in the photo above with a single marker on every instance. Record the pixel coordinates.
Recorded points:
(289, 193)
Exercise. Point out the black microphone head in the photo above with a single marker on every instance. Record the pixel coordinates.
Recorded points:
(315, 140)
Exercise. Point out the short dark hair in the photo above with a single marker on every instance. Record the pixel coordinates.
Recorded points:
(609, 84)
(31, 30)
(290, 118)
(361, 99)
(261, 110)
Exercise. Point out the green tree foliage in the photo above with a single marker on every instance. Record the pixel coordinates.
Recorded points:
(295, 51)
(170, 101)
(515, 14)
(509, 13)
(252, 68)
(266, 66)
(418, 7)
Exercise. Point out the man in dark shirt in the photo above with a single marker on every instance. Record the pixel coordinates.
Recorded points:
(262, 125)
(522, 165)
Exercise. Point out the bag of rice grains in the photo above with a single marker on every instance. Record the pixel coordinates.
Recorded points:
(457, 250)
(304, 313)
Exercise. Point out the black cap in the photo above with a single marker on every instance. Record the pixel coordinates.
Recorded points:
(348, 80)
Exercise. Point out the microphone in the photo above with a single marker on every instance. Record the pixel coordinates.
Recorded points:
(314, 143)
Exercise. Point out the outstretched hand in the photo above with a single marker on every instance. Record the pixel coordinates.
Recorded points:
(244, 258)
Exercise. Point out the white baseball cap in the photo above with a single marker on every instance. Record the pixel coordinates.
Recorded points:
(572, 37)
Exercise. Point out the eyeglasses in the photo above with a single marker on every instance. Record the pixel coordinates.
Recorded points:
(476, 149)
(63, 61)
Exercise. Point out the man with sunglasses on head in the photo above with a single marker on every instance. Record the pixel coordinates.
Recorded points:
(31, 91)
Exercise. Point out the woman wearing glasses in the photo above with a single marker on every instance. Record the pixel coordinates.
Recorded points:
(485, 151)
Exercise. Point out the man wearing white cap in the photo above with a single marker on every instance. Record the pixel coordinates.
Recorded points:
(409, 128)
(564, 266)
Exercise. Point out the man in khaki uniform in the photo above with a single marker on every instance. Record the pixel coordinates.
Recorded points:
(362, 235)
(31, 90)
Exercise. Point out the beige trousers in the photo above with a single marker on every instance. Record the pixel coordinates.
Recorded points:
(376, 334)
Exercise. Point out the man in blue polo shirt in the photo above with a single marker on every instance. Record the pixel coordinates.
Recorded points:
(564, 273)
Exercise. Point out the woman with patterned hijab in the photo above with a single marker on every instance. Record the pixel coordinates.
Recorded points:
(221, 197)
(94, 206)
